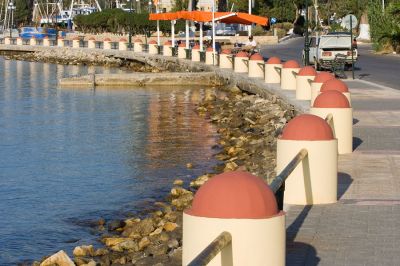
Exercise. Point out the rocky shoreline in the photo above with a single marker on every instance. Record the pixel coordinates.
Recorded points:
(248, 127)
(80, 57)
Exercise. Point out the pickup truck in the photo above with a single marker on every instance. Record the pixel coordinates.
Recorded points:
(325, 49)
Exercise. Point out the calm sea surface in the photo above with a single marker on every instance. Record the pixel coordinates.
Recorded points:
(71, 156)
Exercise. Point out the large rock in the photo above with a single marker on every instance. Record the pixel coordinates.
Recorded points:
(60, 258)
(81, 251)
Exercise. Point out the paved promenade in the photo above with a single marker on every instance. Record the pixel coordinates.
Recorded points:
(363, 228)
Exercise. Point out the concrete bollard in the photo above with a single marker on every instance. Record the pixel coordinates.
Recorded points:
(273, 68)
(7, 40)
(314, 181)
(167, 48)
(241, 63)
(319, 79)
(243, 205)
(335, 103)
(123, 44)
(288, 75)
(211, 57)
(46, 41)
(75, 42)
(32, 41)
(226, 59)
(107, 44)
(19, 41)
(138, 46)
(181, 50)
(153, 47)
(256, 66)
(303, 82)
(196, 53)
(92, 43)
(336, 85)
(60, 42)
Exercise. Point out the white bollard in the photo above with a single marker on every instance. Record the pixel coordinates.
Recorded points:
(244, 206)
(303, 82)
(153, 47)
(256, 66)
(314, 181)
(60, 42)
(92, 43)
(7, 40)
(123, 44)
(75, 42)
(107, 44)
(211, 58)
(181, 50)
(196, 53)
(19, 41)
(319, 79)
(46, 41)
(241, 62)
(273, 68)
(226, 59)
(32, 41)
(138, 46)
(336, 85)
(288, 75)
(335, 103)
(167, 48)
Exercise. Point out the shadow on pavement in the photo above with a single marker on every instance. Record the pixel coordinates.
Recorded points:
(344, 182)
(356, 143)
(299, 253)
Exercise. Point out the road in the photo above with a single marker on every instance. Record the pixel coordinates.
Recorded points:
(380, 69)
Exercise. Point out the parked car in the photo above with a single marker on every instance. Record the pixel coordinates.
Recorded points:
(326, 48)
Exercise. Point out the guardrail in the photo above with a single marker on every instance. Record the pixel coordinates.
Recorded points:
(215, 247)
(278, 184)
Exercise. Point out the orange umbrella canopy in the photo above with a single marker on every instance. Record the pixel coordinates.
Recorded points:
(205, 16)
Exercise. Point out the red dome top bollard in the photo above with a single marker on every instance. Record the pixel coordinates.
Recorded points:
(211, 57)
(243, 205)
(153, 47)
(226, 59)
(241, 62)
(288, 75)
(167, 48)
(181, 50)
(303, 83)
(335, 103)
(107, 44)
(319, 79)
(138, 45)
(273, 68)
(314, 181)
(92, 43)
(256, 66)
(196, 53)
(336, 85)
(123, 44)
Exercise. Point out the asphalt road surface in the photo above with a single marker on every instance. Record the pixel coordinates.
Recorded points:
(380, 69)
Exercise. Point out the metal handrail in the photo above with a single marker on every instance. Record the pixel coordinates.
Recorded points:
(329, 120)
(212, 250)
(278, 184)
(280, 179)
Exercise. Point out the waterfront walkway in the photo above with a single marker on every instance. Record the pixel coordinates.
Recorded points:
(363, 228)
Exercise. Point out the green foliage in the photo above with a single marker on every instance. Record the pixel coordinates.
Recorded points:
(384, 26)
(119, 21)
